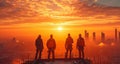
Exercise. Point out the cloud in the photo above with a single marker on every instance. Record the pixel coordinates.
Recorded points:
(113, 3)
(3, 4)
(36, 11)
(109, 24)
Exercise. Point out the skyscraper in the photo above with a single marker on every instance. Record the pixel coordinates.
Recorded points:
(102, 37)
(119, 36)
(94, 36)
(86, 35)
(115, 34)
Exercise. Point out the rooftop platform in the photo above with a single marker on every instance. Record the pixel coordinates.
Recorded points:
(59, 61)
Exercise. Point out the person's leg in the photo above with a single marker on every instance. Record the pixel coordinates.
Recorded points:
(53, 54)
(82, 53)
(36, 54)
(79, 53)
(40, 53)
(70, 56)
(66, 53)
(49, 54)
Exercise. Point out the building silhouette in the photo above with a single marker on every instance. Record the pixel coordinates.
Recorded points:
(102, 37)
(115, 34)
(86, 35)
(94, 36)
(119, 36)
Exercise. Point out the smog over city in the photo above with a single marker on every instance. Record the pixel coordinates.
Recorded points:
(28, 27)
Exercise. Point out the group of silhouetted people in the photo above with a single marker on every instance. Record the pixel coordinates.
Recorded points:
(51, 45)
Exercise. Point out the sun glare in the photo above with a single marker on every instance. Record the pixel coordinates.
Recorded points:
(60, 28)
(101, 44)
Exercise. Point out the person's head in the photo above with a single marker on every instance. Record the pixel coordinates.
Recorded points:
(51, 36)
(80, 35)
(39, 36)
(68, 34)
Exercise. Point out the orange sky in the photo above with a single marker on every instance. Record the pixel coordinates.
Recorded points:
(44, 17)
(70, 12)
(26, 19)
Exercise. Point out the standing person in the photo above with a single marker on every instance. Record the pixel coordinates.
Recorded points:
(80, 46)
(68, 46)
(39, 47)
(51, 45)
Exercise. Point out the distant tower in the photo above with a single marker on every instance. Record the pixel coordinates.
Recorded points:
(86, 35)
(102, 37)
(119, 36)
(94, 36)
(115, 34)
(14, 40)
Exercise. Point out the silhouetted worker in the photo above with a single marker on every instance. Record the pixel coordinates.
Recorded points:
(80, 46)
(68, 46)
(39, 47)
(51, 45)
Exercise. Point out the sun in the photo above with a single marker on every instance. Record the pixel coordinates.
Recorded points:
(60, 28)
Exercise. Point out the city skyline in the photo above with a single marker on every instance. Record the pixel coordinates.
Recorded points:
(98, 22)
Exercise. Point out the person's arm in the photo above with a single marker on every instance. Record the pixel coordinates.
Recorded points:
(66, 44)
(72, 41)
(42, 43)
(77, 43)
(36, 43)
(83, 42)
(55, 44)
(47, 43)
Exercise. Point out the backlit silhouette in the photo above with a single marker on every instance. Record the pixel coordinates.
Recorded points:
(68, 46)
(39, 47)
(51, 45)
(80, 46)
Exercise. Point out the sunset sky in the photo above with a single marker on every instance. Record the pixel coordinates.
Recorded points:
(24, 20)
(66, 12)
(43, 15)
